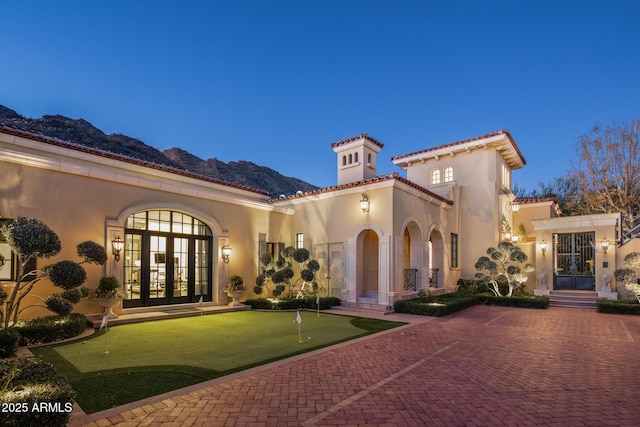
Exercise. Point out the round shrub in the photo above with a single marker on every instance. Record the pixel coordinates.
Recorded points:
(257, 290)
(266, 258)
(67, 274)
(59, 305)
(307, 275)
(300, 255)
(92, 252)
(313, 265)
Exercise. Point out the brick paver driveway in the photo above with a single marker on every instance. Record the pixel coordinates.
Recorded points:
(485, 366)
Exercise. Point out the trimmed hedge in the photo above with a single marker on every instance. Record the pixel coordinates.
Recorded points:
(618, 306)
(521, 301)
(9, 339)
(33, 393)
(443, 305)
(292, 304)
(51, 328)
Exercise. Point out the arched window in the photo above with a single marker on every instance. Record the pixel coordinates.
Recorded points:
(435, 176)
(344, 160)
(448, 174)
(167, 259)
(350, 158)
(369, 158)
(356, 158)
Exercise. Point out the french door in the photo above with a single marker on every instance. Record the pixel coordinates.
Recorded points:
(574, 267)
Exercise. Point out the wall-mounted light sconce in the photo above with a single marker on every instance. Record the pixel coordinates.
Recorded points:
(605, 245)
(364, 203)
(117, 245)
(507, 236)
(515, 206)
(226, 252)
(543, 247)
(515, 238)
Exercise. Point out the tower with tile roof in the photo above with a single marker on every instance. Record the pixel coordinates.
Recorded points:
(356, 158)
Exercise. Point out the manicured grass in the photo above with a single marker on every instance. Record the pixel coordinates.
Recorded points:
(150, 358)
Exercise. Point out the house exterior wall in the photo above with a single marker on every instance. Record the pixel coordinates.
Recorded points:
(81, 199)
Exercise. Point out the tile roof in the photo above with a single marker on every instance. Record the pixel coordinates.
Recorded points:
(133, 160)
(381, 178)
(477, 138)
(362, 135)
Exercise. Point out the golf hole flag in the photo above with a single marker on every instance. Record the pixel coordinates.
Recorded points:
(104, 321)
(298, 321)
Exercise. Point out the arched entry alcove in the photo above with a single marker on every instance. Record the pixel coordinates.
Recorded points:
(367, 264)
(412, 257)
(436, 259)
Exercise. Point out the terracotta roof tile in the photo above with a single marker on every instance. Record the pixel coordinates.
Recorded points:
(477, 138)
(380, 178)
(362, 135)
(110, 155)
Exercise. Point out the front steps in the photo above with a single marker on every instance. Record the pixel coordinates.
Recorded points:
(573, 299)
(368, 301)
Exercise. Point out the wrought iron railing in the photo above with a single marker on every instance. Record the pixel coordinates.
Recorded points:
(410, 275)
(433, 277)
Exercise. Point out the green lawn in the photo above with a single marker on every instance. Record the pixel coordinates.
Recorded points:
(149, 358)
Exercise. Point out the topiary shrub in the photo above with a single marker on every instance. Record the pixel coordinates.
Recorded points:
(37, 394)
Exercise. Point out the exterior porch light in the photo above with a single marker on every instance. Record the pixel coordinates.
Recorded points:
(605, 245)
(364, 203)
(117, 245)
(226, 252)
(543, 247)
(515, 206)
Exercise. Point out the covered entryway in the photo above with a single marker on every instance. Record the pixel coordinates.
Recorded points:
(574, 267)
(367, 265)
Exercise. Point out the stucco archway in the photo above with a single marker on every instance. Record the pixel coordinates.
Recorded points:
(436, 259)
(413, 255)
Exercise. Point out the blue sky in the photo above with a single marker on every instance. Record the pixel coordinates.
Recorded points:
(276, 82)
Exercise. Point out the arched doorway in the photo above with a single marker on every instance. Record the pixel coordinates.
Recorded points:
(436, 259)
(413, 258)
(367, 265)
(167, 259)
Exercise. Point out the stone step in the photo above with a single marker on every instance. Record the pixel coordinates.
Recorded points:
(573, 299)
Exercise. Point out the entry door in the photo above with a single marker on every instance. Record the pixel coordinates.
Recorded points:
(574, 261)
(331, 268)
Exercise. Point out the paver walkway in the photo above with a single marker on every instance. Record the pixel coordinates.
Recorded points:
(485, 366)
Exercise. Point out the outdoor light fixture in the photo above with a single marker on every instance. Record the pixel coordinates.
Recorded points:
(515, 206)
(364, 203)
(226, 252)
(543, 247)
(605, 245)
(117, 245)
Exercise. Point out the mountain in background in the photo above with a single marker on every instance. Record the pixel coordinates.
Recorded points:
(82, 132)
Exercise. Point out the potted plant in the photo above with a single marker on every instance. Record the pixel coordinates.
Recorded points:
(108, 294)
(234, 289)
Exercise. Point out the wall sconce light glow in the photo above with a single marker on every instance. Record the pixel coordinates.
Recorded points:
(543, 247)
(515, 238)
(226, 252)
(515, 206)
(507, 236)
(364, 203)
(117, 245)
(605, 245)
